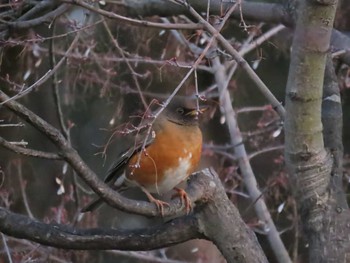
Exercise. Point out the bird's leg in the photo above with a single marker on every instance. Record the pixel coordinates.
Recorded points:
(159, 203)
(184, 199)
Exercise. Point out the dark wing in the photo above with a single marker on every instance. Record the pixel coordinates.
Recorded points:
(115, 172)
(112, 175)
(118, 167)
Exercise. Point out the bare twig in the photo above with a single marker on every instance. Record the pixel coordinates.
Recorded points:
(339, 53)
(133, 73)
(269, 128)
(229, 156)
(242, 24)
(144, 257)
(12, 125)
(264, 37)
(245, 49)
(23, 92)
(29, 152)
(44, 251)
(55, 91)
(251, 109)
(22, 143)
(265, 150)
(23, 190)
(46, 76)
(136, 59)
(40, 38)
(240, 60)
(6, 248)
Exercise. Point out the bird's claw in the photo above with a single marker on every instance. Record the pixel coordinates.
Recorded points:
(185, 200)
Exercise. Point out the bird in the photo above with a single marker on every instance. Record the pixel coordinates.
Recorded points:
(163, 158)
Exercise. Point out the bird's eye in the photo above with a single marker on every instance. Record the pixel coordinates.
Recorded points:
(180, 110)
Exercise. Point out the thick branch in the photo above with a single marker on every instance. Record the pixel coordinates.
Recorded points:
(130, 21)
(220, 222)
(273, 13)
(39, 8)
(67, 237)
(48, 17)
(24, 21)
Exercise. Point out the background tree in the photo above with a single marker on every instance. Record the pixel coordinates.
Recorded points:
(87, 72)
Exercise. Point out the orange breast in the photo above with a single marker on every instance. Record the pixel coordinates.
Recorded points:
(170, 159)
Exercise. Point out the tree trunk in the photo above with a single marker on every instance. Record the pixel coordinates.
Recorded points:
(311, 165)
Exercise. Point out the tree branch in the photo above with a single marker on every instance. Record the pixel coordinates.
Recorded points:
(270, 13)
(48, 17)
(130, 21)
(232, 236)
(38, 8)
(67, 237)
(29, 152)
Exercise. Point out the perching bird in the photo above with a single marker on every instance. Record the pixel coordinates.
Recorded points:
(171, 153)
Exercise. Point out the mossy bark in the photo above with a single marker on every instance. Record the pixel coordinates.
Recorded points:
(309, 157)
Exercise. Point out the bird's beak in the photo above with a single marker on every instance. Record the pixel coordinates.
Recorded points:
(197, 112)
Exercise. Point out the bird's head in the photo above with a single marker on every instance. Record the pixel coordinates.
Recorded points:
(183, 111)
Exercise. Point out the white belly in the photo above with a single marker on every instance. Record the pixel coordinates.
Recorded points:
(172, 177)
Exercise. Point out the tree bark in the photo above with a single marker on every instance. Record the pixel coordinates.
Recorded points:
(220, 221)
(309, 163)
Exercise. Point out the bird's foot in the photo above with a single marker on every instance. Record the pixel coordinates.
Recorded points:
(159, 203)
(185, 200)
